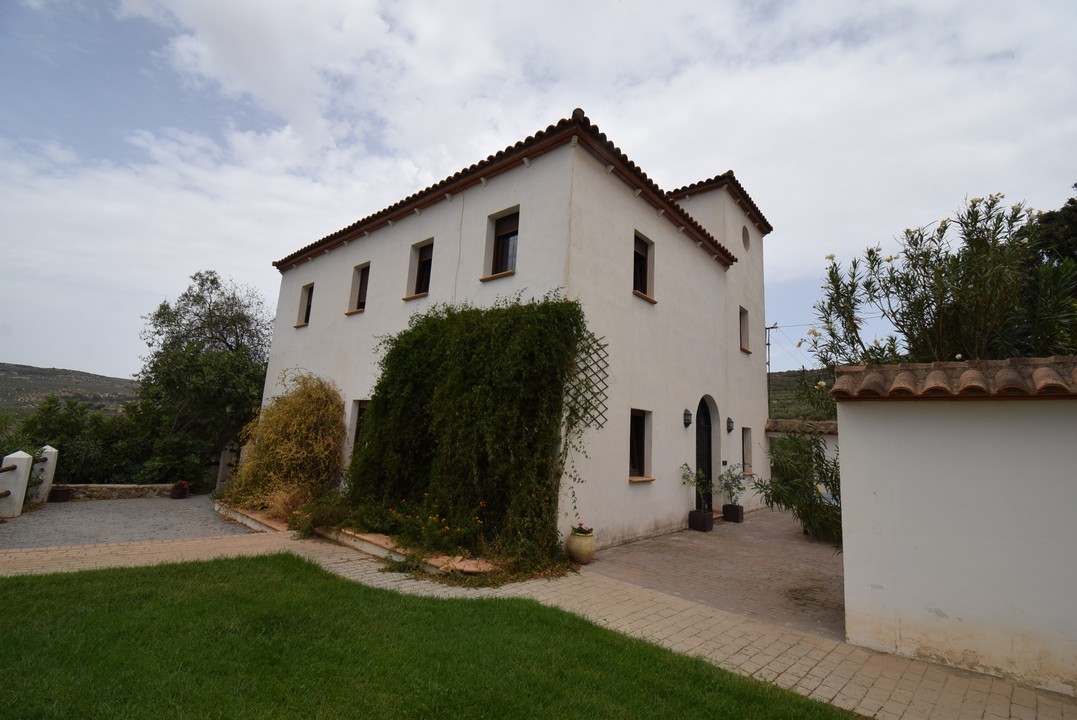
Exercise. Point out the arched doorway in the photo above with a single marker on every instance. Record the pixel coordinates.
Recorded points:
(704, 454)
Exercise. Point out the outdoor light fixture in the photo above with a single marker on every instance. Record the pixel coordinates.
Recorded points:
(729, 424)
(687, 417)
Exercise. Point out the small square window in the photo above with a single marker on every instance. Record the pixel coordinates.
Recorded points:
(506, 234)
(306, 301)
(360, 280)
(639, 444)
(744, 331)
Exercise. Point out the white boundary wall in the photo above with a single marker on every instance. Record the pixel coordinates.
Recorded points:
(960, 534)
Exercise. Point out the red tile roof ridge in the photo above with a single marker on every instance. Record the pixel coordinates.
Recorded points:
(574, 129)
(727, 180)
(1016, 378)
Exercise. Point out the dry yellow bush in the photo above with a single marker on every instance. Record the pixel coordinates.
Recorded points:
(294, 449)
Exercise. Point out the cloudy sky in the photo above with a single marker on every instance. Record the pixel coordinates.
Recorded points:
(144, 140)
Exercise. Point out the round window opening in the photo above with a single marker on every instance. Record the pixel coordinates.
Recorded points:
(744, 238)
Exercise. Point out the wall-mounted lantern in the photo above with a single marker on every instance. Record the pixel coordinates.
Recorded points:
(729, 425)
(687, 417)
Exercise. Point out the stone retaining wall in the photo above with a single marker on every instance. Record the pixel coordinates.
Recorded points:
(116, 492)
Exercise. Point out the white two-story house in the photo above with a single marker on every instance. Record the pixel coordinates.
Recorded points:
(673, 282)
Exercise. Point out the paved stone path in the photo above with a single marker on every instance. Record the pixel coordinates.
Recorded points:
(113, 521)
(869, 683)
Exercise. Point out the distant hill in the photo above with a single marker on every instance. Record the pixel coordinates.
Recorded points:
(23, 388)
(784, 404)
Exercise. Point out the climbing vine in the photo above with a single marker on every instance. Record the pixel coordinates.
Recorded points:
(471, 424)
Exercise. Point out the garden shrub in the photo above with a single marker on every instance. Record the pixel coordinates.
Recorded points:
(466, 437)
(294, 449)
(804, 480)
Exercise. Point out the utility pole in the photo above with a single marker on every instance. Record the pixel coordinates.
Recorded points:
(768, 328)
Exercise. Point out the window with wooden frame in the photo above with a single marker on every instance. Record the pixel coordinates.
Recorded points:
(639, 440)
(746, 450)
(360, 280)
(422, 265)
(744, 336)
(506, 235)
(306, 301)
(643, 268)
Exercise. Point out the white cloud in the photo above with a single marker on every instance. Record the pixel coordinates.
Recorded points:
(846, 123)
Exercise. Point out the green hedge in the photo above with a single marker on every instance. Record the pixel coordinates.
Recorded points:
(461, 443)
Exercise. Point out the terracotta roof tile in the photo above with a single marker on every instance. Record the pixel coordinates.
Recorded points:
(972, 382)
(729, 182)
(936, 383)
(1019, 378)
(905, 383)
(577, 130)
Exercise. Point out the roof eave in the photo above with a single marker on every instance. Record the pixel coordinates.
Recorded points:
(577, 131)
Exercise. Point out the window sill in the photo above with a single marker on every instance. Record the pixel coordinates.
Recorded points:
(299, 325)
(640, 479)
(497, 276)
(355, 312)
(645, 296)
(416, 296)
(746, 351)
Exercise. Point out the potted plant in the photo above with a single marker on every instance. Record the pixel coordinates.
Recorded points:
(731, 482)
(180, 489)
(581, 544)
(703, 518)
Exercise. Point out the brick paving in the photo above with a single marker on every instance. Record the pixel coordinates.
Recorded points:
(764, 568)
(866, 682)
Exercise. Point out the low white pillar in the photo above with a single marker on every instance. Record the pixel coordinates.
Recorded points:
(17, 472)
(45, 470)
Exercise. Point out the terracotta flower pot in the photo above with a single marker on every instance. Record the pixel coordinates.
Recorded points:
(581, 548)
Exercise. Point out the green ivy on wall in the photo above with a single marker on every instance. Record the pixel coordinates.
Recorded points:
(465, 440)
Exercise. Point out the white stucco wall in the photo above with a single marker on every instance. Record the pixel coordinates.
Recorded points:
(959, 533)
(577, 227)
(342, 347)
(664, 357)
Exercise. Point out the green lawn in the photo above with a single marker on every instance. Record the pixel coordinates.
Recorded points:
(277, 637)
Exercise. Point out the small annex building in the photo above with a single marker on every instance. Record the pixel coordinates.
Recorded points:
(672, 282)
(959, 486)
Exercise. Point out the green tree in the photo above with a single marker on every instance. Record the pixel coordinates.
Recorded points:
(202, 381)
(1056, 232)
(1002, 292)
